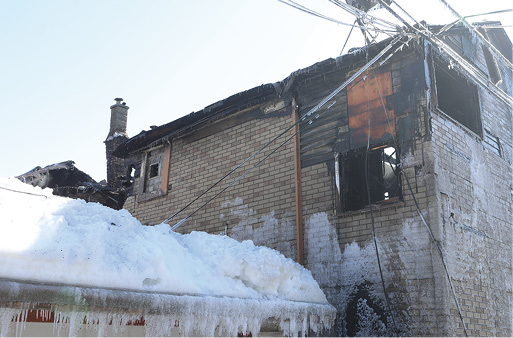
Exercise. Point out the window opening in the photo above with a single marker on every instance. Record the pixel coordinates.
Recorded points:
(457, 97)
(154, 170)
(384, 182)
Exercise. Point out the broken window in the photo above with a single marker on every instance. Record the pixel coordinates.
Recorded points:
(154, 170)
(376, 170)
(154, 177)
(457, 97)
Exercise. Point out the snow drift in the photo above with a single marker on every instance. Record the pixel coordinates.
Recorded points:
(51, 240)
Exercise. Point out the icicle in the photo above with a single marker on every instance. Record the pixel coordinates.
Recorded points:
(21, 320)
(176, 315)
(7, 316)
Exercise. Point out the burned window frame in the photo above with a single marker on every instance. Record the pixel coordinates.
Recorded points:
(456, 96)
(154, 183)
(352, 183)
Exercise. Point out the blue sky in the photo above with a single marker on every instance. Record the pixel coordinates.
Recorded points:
(63, 63)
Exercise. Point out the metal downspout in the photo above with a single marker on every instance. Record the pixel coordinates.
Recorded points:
(298, 190)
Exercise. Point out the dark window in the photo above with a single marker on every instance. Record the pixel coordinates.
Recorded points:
(457, 97)
(154, 170)
(381, 176)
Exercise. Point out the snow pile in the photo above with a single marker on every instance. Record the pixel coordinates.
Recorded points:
(54, 240)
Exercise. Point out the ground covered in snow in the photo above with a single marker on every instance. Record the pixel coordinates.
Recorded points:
(55, 240)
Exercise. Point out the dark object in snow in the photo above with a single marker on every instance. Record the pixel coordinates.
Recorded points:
(68, 181)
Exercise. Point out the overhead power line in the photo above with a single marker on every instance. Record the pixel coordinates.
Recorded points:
(347, 39)
(386, 29)
(470, 69)
(302, 119)
(492, 48)
(364, 15)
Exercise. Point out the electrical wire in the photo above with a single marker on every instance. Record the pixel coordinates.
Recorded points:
(492, 48)
(347, 39)
(364, 15)
(314, 13)
(307, 10)
(437, 245)
(481, 78)
(417, 207)
(450, 25)
(426, 33)
(418, 210)
(371, 24)
(405, 12)
(489, 13)
(367, 185)
(230, 172)
(300, 120)
(237, 179)
(23, 192)
(470, 70)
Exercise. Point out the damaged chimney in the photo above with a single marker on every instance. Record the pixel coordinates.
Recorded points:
(117, 135)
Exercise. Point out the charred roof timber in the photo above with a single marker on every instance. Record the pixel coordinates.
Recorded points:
(67, 180)
(156, 135)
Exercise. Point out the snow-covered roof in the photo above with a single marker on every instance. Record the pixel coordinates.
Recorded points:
(107, 260)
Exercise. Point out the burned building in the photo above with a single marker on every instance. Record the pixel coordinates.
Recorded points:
(387, 172)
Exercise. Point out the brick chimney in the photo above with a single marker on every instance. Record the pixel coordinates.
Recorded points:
(117, 135)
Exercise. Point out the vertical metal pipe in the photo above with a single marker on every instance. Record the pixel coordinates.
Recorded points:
(337, 172)
(298, 190)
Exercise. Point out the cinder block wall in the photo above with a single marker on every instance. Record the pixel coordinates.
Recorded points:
(474, 187)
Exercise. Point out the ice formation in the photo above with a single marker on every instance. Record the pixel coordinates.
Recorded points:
(114, 270)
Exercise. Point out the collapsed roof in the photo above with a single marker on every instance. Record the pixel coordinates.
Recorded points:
(67, 180)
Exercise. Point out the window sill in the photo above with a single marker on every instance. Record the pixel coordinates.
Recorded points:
(466, 129)
(149, 196)
(393, 202)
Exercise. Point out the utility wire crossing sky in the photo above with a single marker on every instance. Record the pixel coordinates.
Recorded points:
(64, 62)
